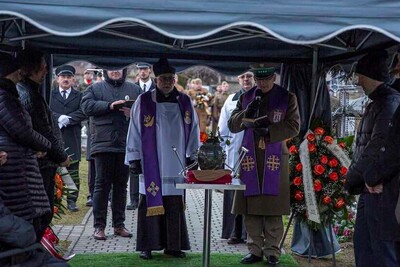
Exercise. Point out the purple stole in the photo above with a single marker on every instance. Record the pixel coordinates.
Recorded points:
(278, 99)
(151, 171)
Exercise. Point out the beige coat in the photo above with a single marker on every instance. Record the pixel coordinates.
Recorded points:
(287, 128)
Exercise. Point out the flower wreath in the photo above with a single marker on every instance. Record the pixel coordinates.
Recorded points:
(326, 165)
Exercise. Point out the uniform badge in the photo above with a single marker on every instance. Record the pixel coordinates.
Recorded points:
(277, 115)
(188, 118)
(148, 121)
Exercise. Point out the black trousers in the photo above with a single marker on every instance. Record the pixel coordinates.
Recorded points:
(134, 187)
(91, 176)
(110, 171)
(73, 170)
(40, 224)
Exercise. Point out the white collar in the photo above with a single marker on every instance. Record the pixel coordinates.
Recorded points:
(67, 91)
(148, 84)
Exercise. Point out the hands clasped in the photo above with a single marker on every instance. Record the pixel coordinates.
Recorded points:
(63, 121)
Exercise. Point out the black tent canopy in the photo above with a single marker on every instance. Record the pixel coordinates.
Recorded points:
(227, 35)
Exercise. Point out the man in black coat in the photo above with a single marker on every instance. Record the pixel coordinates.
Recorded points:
(377, 235)
(65, 103)
(34, 70)
(105, 102)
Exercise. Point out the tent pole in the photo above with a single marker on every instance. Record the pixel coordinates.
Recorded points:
(313, 94)
(47, 85)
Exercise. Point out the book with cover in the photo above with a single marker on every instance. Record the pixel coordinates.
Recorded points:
(127, 103)
(262, 121)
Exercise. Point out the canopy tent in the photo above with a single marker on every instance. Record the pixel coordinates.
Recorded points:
(227, 35)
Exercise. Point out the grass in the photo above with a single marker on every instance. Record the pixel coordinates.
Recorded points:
(72, 218)
(159, 259)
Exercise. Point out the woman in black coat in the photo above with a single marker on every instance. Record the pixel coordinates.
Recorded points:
(21, 185)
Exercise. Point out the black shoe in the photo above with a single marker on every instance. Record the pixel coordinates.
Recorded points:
(273, 260)
(132, 206)
(146, 255)
(175, 253)
(89, 202)
(250, 258)
(234, 241)
(71, 206)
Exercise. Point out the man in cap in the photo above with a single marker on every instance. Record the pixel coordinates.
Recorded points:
(377, 234)
(34, 70)
(265, 170)
(232, 225)
(65, 103)
(161, 216)
(106, 103)
(145, 82)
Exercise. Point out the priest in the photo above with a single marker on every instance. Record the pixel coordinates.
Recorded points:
(161, 118)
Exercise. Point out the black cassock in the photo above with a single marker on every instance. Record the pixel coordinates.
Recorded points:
(168, 231)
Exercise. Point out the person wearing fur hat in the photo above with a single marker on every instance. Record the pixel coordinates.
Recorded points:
(377, 234)
(105, 103)
(162, 118)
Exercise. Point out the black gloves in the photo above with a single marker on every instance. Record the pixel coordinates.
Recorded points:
(252, 107)
(190, 162)
(135, 166)
(264, 132)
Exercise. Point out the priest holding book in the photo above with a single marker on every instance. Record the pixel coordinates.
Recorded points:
(268, 115)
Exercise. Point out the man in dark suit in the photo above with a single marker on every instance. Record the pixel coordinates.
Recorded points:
(146, 84)
(65, 103)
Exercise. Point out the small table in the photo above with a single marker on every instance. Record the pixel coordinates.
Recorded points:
(236, 185)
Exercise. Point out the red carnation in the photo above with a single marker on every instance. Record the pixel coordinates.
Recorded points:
(293, 150)
(339, 203)
(326, 200)
(328, 139)
(319, 131)
(343, 170)
(203, 137)
(299, 167)
(342, 144)
(297, 181)
(312, 148)
(311, 137)
(334, 176)
(323, 159)
(55, 210)
(319, 169)
(317, 186)
(299, 196)
(333, 163)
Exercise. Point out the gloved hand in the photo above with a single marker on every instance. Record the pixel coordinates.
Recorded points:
(264, 132)
(190, 161)
(252, 108)
(64, 120)
(135, 166)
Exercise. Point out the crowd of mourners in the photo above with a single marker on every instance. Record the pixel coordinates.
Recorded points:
(132, 127)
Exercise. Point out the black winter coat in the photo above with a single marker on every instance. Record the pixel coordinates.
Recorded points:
(371, 165)
(43, 122)
(21, 185)
(110, 127)
(70, 107)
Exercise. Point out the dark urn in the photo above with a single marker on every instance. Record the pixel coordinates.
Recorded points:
(210, 155)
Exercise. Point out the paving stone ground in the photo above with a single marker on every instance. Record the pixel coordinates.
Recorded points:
(83, 242)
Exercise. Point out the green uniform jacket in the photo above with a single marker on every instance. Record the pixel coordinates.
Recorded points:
(282, 131)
